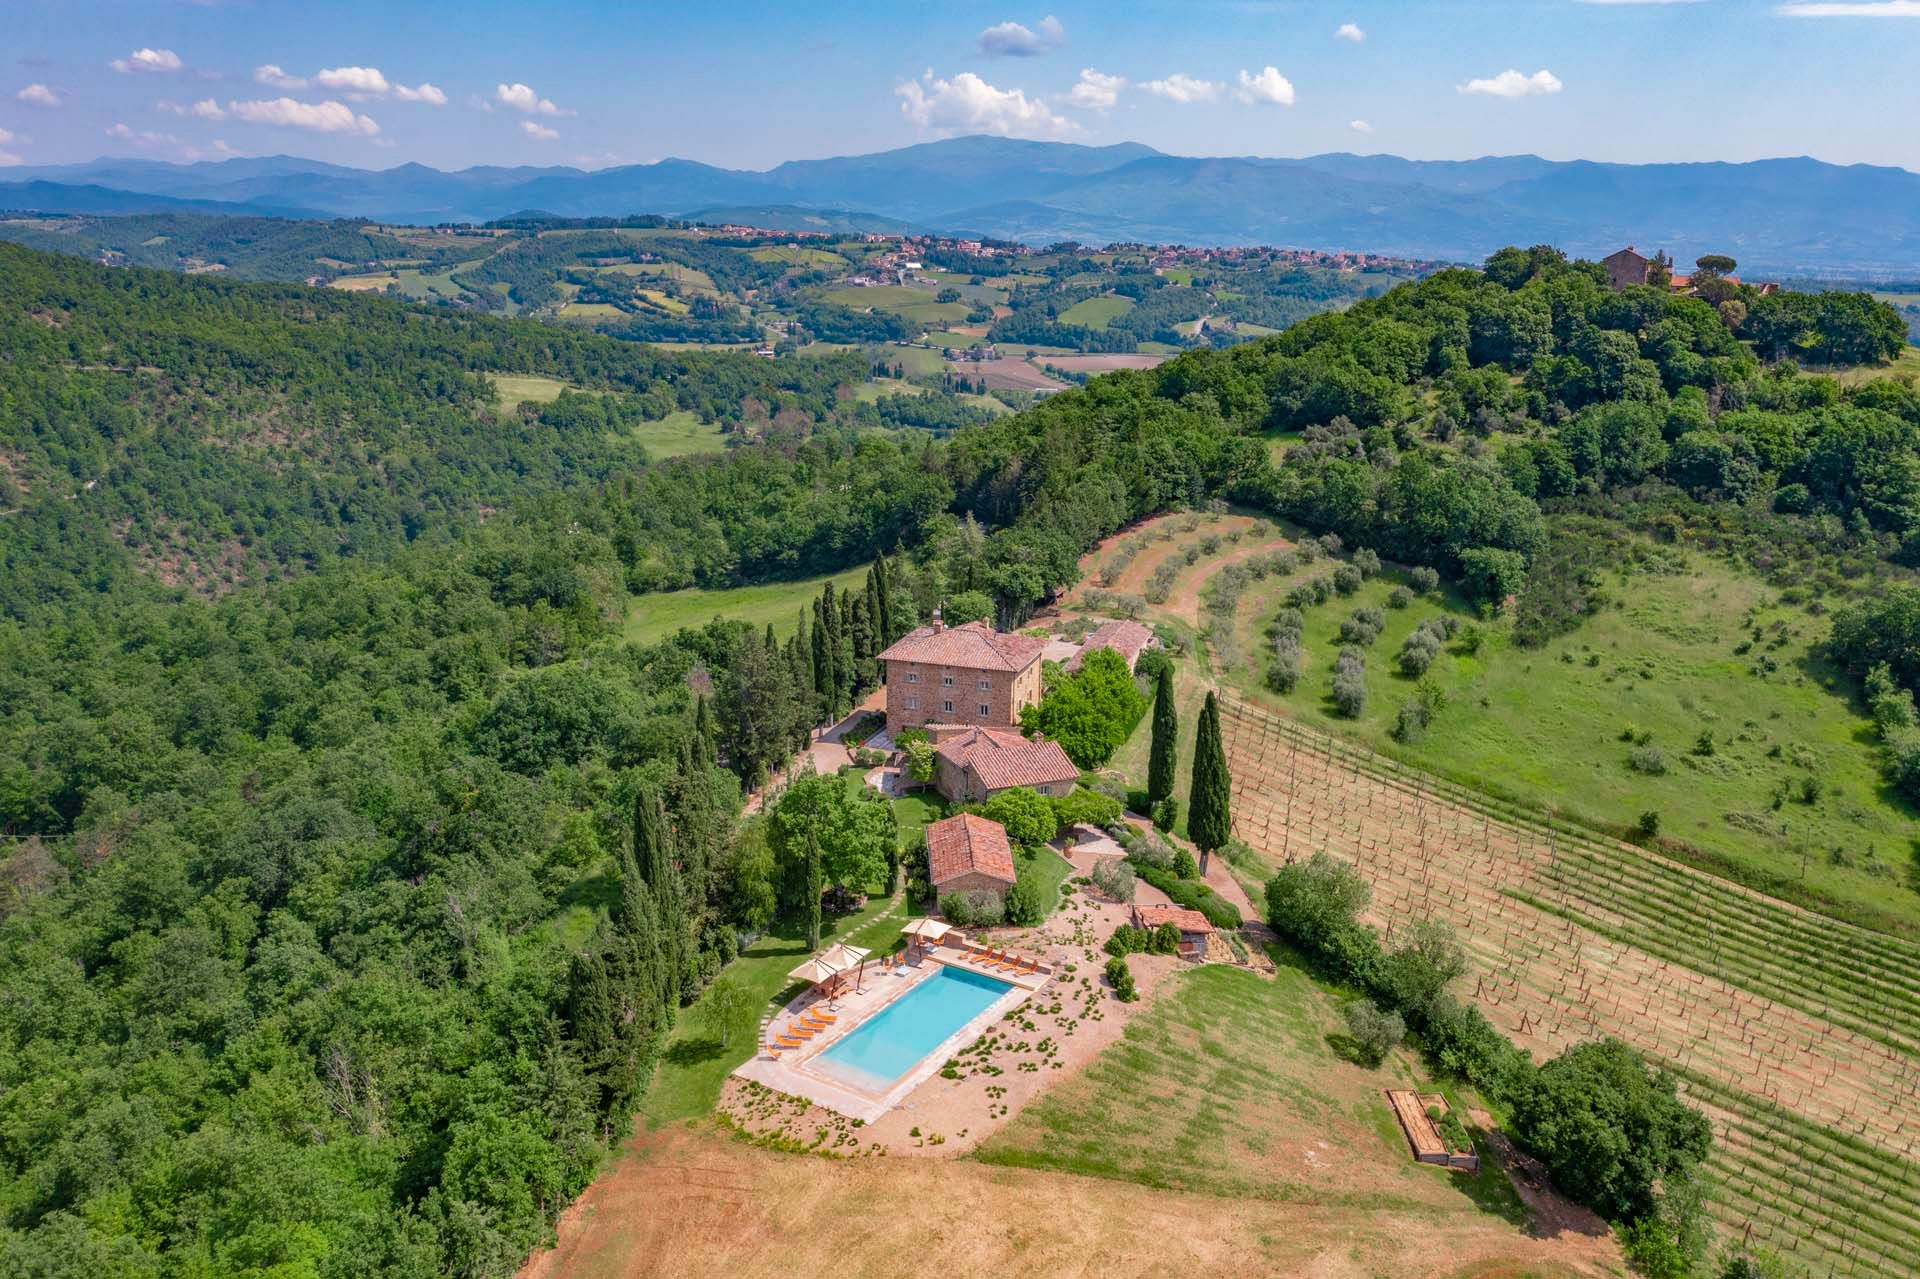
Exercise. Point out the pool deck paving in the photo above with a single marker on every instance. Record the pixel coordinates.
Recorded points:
(875, 990)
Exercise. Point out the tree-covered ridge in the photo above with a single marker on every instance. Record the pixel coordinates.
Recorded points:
(247, 248)
(196, 427)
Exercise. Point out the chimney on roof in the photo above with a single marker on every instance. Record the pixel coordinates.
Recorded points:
(938, 625)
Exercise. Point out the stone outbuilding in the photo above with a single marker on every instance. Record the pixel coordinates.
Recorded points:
(1194, 928)
(972, 764)
(968, 852)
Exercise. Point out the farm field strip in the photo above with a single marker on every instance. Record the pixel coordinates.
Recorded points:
(1789, 1046)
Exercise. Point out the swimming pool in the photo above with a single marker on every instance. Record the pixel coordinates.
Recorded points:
(877, 1052)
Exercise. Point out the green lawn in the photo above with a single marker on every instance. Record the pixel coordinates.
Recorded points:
(794, 255)
(516, 389)
(654, 617)
(678, 434)
(1545, 726)
(696, 1063)
(1210, 1090)
(1906, 364)
(1096, 313)
(1047, 868)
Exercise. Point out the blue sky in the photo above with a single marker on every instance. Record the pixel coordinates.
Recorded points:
(748, 84)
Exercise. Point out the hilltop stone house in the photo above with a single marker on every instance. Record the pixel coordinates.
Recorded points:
(973, 763)
(1627, 268)
(969, 674)
(968, 852)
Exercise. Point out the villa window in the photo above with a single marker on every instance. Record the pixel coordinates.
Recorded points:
(913, 703)
(946, 681)
(947, 707)
(913, 677)
(984, 685)
(985, 709)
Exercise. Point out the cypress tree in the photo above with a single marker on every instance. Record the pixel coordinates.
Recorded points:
(822, 660)
(1163, 759)
(1209, 822)
(863, 649)
(883, 603)
(844, 683)
(814, 888)
(805, 703)
(653, 862)
(703, 748)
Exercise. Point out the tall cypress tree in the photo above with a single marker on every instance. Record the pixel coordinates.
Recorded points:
(703, 732)
(653, 860)
(822, 660)
(863, 648)
(805, 703)
(814, 889)
(1209, 821)
(1163, 759)
(883, 603)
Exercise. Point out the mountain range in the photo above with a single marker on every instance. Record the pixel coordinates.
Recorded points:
(1783, 215)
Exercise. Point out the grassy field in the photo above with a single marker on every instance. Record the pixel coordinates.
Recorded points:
(590, 311)
(678, 434)
(1223, 1087)
(1907, 364)
(1791, 788)
(654, 617)
(408, 282)
(1096, 313)
(795, 255)
(915, 304)
(516, 389)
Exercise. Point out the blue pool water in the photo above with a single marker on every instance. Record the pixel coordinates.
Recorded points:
(874, 1054)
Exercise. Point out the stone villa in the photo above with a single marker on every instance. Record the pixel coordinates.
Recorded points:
(961, 675)
(973, 763)
(968, 852)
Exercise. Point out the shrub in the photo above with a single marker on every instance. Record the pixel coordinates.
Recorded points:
(1367, 560)
(1410, 722)
(974, 908)
(1163, 939)
(1425, 580)
(1166, 813)
(1399, 597)
(1347, 579)
(1649, 824)
(1194, 895)
(1647, 759)
(1027, 815)
(1084, 806)
(1127, 939)
(1184, 866)
(1114, 878)
(1350, 683)
(1121, 979)
(1283, 676)
(1375, 1033)
(1363, 628)
(1024, 904)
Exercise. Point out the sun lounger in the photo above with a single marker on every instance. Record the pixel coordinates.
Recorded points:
(823, 1015)
(984, 958)
(801, 1029)
(1028, 970)
(1008, 964)
(787, 1041)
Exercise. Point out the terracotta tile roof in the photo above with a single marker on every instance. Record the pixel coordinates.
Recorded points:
(968, 843)
(975, 646)
(1187, 921)
(1129, 639)
(1001, 757)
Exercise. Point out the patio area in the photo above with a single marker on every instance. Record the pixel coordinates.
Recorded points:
(852, 998)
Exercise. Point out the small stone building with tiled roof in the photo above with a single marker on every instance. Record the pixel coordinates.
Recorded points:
(1128, 639)
(1193, 926)
(972, 764)
(969, 674)
(968, 852)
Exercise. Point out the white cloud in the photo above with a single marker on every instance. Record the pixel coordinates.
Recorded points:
(366, 82)
(5, 137)
(215, 150)
(522, 98)
(1349, 31)
(149, 60)
(539, 132)
(969, 104)
(145, 138)
(205, 109)
(1511, 84)
(1180, 87)
(38, 95)
(1014, 40)
(1360, 126)
(1095, 90)
(316, 117)
(1268, 87)
(431, 94)
(274, 77)
(1865, 9)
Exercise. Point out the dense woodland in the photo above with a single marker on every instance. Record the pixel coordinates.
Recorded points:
(341, 914)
